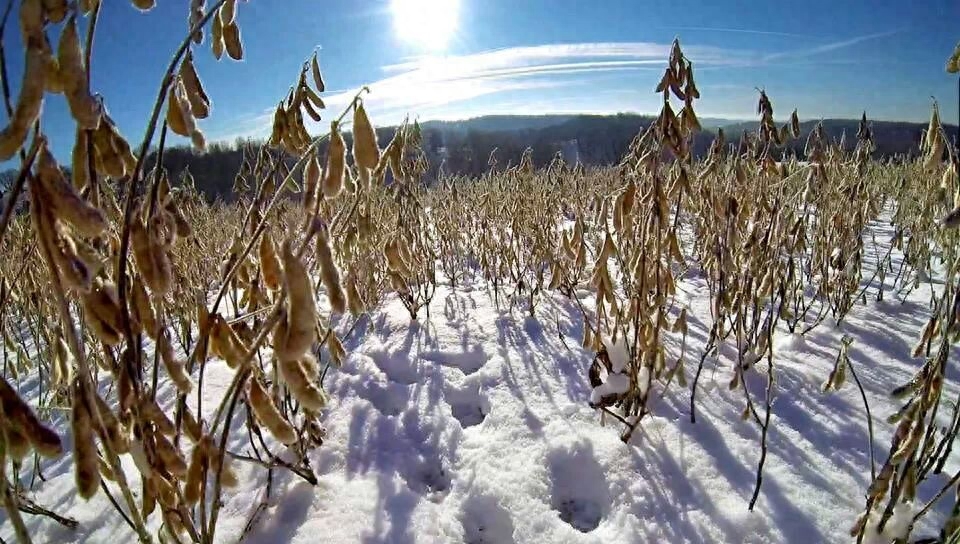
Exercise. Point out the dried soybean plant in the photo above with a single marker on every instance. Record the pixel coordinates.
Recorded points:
(635, 265)
(452, 207)
(532, 234)
(926, 424)
(410, 253)
(775, 239)
(132, 288)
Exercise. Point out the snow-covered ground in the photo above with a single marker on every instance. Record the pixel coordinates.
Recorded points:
(474, 426)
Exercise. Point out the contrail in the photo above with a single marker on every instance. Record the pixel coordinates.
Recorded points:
(826, 48)
(738, 31)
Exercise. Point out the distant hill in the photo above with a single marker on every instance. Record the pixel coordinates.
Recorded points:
(590, 139)
(464, 147)
(891, 137)
(499, 122)
(601, 139)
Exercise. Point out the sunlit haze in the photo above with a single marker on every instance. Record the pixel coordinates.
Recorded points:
(426, 23)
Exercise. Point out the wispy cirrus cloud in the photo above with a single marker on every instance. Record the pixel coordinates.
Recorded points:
(427, 82)
(447, 80)
(579, 52)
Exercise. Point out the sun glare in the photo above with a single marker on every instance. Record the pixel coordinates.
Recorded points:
(425, 23)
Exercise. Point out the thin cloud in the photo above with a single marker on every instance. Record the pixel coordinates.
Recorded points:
(552, 53)
(455, 79)
(830, 47)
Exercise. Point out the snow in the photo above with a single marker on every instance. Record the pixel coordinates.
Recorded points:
(643, 379)
(615, 384)
(474, 426)
(896, 527)
(618, 353)
(790, 342)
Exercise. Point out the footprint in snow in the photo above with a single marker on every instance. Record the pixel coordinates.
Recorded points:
(429, 477)
(579, 490)
(388, 397)
(468, 361)
(398, 367)
(468, 405)
(486, 521)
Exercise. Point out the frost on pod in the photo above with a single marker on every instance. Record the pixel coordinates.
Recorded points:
(270, 263)
(87, 467)
(300, 378)
(366, 152)
(167, 456)
(61, 372)
(30, 100)
(329, 273)
(111, 430)
(151, 253)
(297, 329)
(196, 97)
(175, 368)
(311, 182)
(231, 33)
(65, 202)
(19, 418)
(143, 309)
(226, 343)
(196, 471)
(73, 78)
(102, 312)
(180, 117)
(354, 301)
(336, 163)
(112, 154)
(267, 413)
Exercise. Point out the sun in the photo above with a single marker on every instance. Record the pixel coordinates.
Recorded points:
(428, 24)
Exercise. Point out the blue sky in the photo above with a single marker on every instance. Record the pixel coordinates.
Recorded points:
(826, 58)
